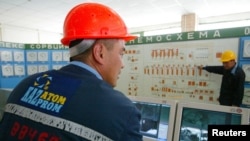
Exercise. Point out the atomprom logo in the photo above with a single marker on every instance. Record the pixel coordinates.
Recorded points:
(39, 96)
(43, 82)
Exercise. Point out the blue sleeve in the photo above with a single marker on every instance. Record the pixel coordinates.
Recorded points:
(133, 127)
(214, 69)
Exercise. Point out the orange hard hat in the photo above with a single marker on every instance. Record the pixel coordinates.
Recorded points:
(94, 21)
(227, 55)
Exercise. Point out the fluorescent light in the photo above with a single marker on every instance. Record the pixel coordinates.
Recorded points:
(162, 31)
(223, 25)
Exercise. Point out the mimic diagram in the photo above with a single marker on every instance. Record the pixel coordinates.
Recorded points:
(170, 70)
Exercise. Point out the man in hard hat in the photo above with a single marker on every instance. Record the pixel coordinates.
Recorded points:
(77, 102)
(233, 79)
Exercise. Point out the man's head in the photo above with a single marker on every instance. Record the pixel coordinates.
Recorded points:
(228, 59)
(96, 35)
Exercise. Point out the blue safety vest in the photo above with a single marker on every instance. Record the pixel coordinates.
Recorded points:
(70, 104)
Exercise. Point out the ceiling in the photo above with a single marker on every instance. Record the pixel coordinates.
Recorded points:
(48, 15)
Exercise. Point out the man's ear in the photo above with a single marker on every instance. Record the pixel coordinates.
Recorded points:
(97, 52)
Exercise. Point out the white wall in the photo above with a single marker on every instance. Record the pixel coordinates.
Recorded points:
(24, 35)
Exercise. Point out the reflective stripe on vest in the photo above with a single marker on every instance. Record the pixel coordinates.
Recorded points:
(56, 122)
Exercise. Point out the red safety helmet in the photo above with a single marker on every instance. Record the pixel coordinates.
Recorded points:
(94, 21)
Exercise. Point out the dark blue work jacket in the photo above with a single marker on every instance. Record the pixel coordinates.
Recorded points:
(70, 104)
(232, 85)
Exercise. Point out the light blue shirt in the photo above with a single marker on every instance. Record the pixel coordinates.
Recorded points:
(234, 69)
(87, 67)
